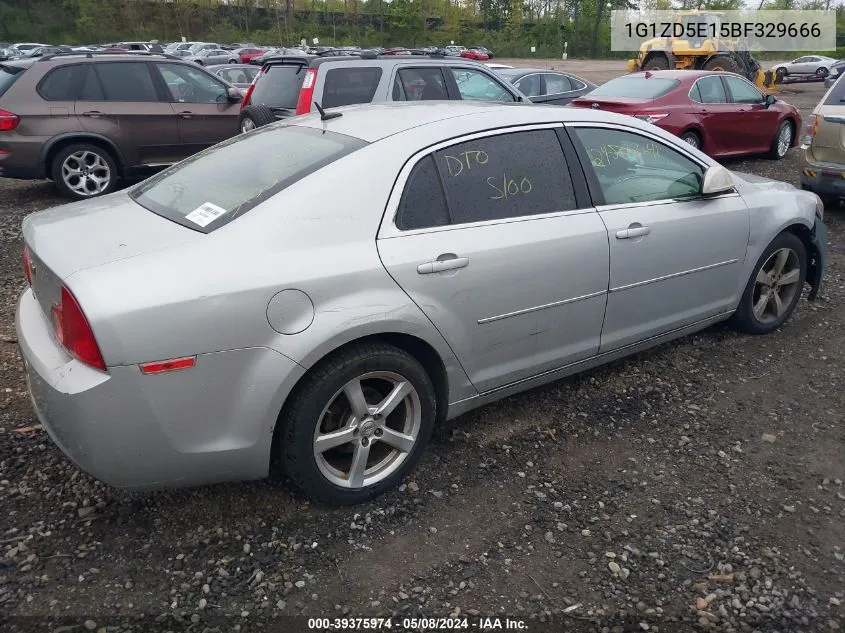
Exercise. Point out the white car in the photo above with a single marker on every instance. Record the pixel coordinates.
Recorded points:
(818, 65)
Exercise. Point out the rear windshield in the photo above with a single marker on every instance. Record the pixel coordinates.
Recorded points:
(214, 187)
(278, 86)
(8, 75)
(836, 96)
(347, 86)
(635, 88)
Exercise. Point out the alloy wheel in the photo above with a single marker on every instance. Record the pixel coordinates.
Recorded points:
(247, 125)
(367, 430)
(784, 139)
(691, 139)
(776, 284)
(86, 173)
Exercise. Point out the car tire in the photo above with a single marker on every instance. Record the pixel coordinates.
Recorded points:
(255, 116)
(822, 72)
(319, 407)
(692, 138)
(780, 73)
(759, 312)
(97, 171)
(658, 62)
(782, 141)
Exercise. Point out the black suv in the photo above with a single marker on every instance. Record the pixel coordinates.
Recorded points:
(290, 85)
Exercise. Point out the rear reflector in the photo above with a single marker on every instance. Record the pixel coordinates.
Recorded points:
(160, 366)
(74, 332)
(8, 121)
(27, 265)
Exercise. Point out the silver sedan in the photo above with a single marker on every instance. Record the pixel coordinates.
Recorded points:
(817, 65)
(276, 298)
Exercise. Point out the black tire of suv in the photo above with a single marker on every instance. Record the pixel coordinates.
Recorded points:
(259, 114)
(56, 169)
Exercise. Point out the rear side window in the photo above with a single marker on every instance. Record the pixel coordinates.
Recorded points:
(710, 90)
(420, 84)
(423, 204)
(62, 83)
(506, 176)
(635, 87)
(91, 88)
(8, 76)
(556, 84)
(215, 186)
(836, 96)
(127, 81)
(278, 86)
(346, 86)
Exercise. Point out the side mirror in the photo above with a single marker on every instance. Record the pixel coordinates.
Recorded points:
(234, 94)
(717, 180)
(769, 100)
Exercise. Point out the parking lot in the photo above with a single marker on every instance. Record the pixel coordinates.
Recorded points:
(698, 486)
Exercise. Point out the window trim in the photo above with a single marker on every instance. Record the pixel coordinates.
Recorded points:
(388, 228)
(592, 180)
(77, 89)
(569, 78)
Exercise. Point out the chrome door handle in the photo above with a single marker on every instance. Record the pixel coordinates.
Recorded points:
(94, 114)
(442, 264)
(634, 231)
(186, 114)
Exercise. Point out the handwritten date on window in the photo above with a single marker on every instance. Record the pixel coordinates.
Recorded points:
(502, 187)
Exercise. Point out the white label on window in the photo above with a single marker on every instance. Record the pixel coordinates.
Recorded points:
(205, 214)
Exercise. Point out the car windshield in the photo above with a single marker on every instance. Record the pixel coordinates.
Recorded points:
(215, 186)
(635, 87)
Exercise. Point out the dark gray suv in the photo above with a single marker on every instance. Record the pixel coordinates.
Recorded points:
(85, 120)
(290, 85)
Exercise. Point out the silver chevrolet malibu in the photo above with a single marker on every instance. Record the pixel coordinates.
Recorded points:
(321, 292)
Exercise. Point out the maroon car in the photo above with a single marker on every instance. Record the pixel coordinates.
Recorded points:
(475, 54)
(720, 113)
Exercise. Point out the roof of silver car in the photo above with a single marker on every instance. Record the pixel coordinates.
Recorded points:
(373, 122)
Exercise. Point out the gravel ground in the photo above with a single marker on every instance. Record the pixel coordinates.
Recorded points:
(694, 487)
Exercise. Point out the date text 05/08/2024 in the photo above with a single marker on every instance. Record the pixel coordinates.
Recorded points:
(418, 624)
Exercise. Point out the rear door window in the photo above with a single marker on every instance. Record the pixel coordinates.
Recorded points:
(419, 84)
(423, 204)
(62, 83)
(557, 84)
(530, 85)
(215, 186)
(710, 90)
(505, 176)
(346, 86)
(8, 76)
(278, 86)
(127, 81)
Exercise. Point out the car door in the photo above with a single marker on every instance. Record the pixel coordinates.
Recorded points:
(675, 257)
(759, 123)
(119, 101)
(513, 269)
(720, 119)
(201, 105)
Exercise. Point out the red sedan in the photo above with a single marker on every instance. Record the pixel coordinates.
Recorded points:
(474, 53)
(248, 54)
(720, 113)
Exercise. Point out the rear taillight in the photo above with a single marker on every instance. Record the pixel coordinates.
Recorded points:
(303, 105)
(250, 90)
(810, 131)
(74, 332)
(27, 265)
(651, 118)
(8, 121)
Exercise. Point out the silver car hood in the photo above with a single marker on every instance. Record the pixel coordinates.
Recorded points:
(746, 181)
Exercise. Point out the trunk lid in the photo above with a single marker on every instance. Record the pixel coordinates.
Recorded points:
(90, 233)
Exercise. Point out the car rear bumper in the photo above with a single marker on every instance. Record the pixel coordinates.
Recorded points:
(213, 422)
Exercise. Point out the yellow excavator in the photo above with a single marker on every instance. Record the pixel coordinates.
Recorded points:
(683, 53)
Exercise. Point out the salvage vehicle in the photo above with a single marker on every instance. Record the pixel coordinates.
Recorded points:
(317, 313)
(824, 146)
(720, 113)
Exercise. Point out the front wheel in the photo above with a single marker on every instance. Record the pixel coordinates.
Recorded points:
(782, 141)
(775, 286)
(357, 424)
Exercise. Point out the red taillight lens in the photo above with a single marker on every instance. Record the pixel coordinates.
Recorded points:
(74, 332)
(8, 121)
(161, 366)
(303, 105)
(810, 131)
(250, 90)
(27, 265)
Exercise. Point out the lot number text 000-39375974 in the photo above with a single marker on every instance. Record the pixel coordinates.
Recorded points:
(768, 30)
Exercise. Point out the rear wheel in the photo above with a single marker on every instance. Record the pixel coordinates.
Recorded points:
(357, 424)
(782, 141)
(723, 63)
(657, 62)
(255, 116)
(775, 286)
(83, 171)
(690, 137)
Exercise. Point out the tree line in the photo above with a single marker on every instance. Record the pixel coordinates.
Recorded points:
(509, 27)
